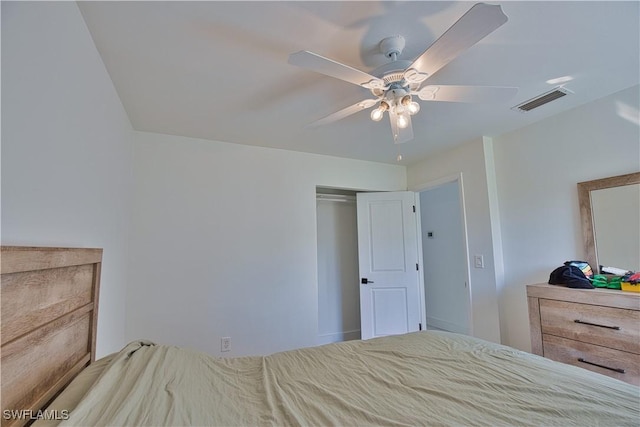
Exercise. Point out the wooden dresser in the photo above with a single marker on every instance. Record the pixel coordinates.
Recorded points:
(595, 329)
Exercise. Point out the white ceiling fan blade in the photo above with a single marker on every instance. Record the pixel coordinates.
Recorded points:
(479, 21)
(320, 64)
(473, 94)
(400, 135)
(338, 115)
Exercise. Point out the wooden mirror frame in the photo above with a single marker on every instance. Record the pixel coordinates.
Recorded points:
(586, 214)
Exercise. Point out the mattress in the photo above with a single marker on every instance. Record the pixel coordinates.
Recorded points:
(422, 378)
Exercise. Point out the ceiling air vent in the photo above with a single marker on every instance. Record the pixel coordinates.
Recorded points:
(540, 100)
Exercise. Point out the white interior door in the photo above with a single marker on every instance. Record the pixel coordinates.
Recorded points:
(388, 262)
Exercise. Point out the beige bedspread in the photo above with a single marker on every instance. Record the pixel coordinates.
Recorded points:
(423, 378)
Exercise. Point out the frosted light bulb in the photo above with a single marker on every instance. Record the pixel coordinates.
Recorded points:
(376, 115)
(413, 108)
(402, 122)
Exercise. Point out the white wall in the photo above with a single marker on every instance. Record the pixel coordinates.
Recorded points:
(224, 241)
(537, 169)
(66, 149)
(468, 159)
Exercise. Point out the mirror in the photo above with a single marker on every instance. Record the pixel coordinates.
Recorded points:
(610, 217)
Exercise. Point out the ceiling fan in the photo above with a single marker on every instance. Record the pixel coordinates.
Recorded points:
(394, 84)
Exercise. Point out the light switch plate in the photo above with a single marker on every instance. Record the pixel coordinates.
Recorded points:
(478, 261)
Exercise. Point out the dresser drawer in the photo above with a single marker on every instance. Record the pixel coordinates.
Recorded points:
(588, 356)
(617, 328)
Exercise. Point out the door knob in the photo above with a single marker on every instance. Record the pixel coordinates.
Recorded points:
(364, 281)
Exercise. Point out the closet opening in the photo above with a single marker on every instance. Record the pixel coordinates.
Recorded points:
(338, 285)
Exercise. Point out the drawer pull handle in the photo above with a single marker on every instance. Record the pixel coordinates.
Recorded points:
(617, 328)
(580, 359)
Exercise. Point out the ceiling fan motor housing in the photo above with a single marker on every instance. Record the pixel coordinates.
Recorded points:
(396, 91)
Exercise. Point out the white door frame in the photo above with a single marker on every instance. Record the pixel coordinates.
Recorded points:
(428, 186)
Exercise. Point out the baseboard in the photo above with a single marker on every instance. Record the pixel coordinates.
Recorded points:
(339, 336)
(445, 325)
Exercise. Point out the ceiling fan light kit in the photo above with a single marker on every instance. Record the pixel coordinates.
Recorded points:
(394, 84)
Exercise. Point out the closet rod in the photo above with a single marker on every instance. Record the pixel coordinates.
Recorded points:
(336, 198)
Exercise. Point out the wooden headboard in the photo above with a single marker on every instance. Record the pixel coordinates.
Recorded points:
(49, 303)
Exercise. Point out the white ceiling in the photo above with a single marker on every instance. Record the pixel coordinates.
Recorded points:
(219, 71)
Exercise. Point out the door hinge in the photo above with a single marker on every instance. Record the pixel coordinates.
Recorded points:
(414, 208)
(419, 326)
(417, 267)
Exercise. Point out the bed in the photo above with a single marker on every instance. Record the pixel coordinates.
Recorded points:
(422, 378)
